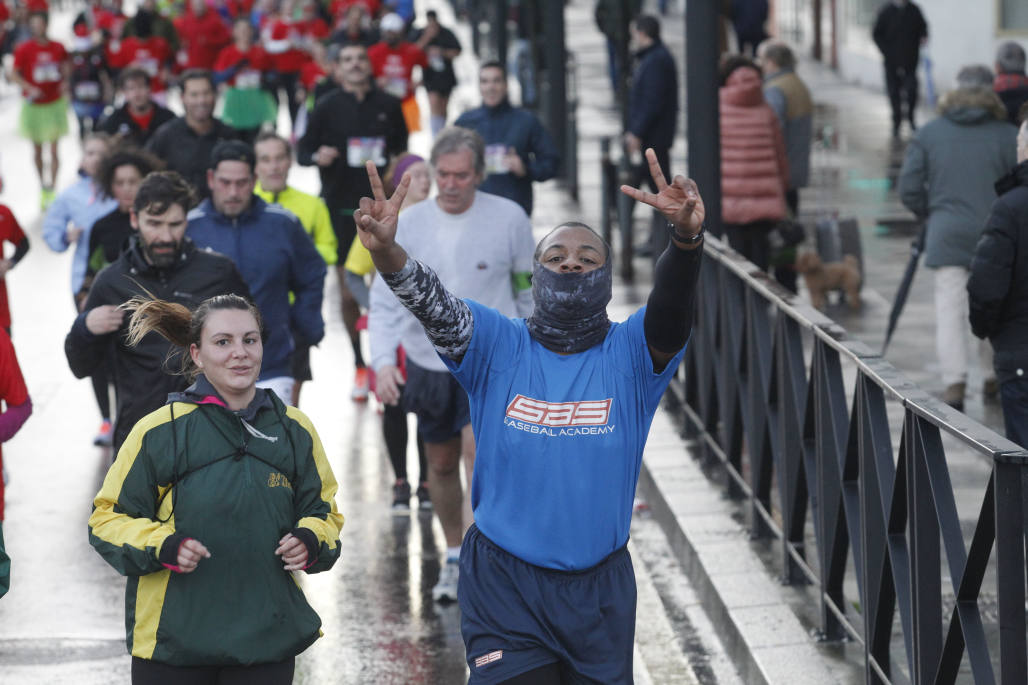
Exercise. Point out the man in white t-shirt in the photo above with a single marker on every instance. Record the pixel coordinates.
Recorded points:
(480, 245)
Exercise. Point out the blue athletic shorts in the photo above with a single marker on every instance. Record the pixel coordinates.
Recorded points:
(516, 617)
(439, 401)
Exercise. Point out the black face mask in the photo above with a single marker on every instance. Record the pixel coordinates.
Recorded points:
(570, 308)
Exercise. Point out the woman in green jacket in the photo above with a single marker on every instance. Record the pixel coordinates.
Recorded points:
(213, 501)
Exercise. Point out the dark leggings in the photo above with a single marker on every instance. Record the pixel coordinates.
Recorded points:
(550, 674)
(289, 83)
(100, 380)
(146, 672)
(394, 430)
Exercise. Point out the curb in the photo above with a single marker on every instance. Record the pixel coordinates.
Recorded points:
(756, 625)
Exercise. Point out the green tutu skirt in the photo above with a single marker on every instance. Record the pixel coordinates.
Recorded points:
(246, 108)
(44, 123)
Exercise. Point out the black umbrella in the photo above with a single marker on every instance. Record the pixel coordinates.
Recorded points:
(916, 248)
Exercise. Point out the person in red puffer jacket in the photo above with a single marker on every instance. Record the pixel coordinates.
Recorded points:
(754, 170)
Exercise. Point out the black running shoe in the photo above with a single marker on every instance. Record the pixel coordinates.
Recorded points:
(401, 496)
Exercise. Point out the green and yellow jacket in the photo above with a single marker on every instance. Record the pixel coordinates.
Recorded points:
(237, 482)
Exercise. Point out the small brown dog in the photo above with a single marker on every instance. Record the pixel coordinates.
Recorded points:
(823, 278)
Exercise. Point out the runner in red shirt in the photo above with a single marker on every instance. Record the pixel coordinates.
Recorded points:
(41, 69)
(202, 34)
(393, 61)
(284, 40)
(243, 68)
(10, 232)
(339, 8)
(18, 408)
(313, 28)
(151, 53)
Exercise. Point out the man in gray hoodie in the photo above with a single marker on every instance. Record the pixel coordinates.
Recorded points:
(947, 180)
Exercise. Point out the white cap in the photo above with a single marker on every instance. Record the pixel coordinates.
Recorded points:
(391, 22)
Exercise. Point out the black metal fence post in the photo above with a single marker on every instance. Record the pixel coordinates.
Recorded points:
(607, 190)
(1011, 486)
(556, 59)
(570, 162)
(701, 110)
(626, 228)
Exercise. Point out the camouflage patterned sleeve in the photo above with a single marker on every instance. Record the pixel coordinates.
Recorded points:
(447, 319)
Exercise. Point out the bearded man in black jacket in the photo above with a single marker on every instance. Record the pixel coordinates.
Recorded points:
(160, 262)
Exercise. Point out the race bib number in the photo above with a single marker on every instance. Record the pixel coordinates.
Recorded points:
(50, 72)
(248, 78)
(87, 91)
(360, 150)
(397, 87)
(436, 62)
(150, 65)
(496, 159)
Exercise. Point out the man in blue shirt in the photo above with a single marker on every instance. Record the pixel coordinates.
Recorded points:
(518, 149)
(561, 403)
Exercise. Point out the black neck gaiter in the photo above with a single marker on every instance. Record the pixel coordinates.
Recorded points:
(570, 309)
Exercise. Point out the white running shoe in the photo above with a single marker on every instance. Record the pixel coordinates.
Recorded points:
(445, 589)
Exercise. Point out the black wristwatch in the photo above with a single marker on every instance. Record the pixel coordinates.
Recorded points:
(692, 240)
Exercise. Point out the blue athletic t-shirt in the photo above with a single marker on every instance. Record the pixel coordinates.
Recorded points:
(559, 437)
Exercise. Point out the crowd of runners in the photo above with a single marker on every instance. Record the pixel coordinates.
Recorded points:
(198, 275)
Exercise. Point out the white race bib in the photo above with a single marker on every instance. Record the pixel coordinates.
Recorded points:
(248, 78)
(360, 149)
(87, 91)
(48, 72)
(496, 159)
(397, 87)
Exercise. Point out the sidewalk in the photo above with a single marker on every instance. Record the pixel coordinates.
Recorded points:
(764, 626)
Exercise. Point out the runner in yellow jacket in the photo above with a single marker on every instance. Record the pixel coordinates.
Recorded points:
(274, 157)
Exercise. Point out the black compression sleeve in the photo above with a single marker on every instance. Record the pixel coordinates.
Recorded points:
(670, 307)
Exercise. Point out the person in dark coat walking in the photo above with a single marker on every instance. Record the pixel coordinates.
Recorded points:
(748, 19)
(1011, 84)
(947, 178)
(611, 21)
(998, 291)
(652, 106)
(899, 32)
(519, 151)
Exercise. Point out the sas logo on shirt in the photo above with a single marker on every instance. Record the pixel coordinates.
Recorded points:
(559, 418)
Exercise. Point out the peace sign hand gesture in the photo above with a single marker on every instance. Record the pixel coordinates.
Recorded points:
(376, 217)
(376, 222)
(679, 202)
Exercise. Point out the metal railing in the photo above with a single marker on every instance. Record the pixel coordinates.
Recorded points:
(613, 203)
(810, 450)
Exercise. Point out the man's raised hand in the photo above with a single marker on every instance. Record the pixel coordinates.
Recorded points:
(376, 216)
(679, 202)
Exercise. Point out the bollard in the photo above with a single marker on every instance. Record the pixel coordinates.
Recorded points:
(625, 206)
(570, 162)
(607, 190)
